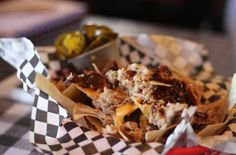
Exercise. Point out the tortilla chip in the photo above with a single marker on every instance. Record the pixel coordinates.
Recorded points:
(157, 135)
(72, 92)
(145, 108)
(82, 110)
(95, 123)
(77, 110)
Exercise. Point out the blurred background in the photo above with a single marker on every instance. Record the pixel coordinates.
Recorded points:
(211, 22)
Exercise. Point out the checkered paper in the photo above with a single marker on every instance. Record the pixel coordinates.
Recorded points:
(176, 53)
(53, 132)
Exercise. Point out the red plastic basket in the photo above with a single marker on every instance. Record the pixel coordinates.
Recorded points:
(196, 150)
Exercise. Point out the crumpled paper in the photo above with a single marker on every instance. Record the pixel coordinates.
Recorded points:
(232, 92)
(22, 48)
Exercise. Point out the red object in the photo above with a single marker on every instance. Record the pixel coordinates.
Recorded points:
(196, 150)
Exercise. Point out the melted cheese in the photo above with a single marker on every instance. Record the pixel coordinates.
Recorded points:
(89, 92)
(123, 111)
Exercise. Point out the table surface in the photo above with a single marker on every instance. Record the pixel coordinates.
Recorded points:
(15, 114)
(14, 120)
(33, 14)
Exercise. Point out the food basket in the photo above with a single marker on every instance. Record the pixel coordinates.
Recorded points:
(53, 131)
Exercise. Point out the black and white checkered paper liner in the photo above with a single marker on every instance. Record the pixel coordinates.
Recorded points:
(53, 132)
